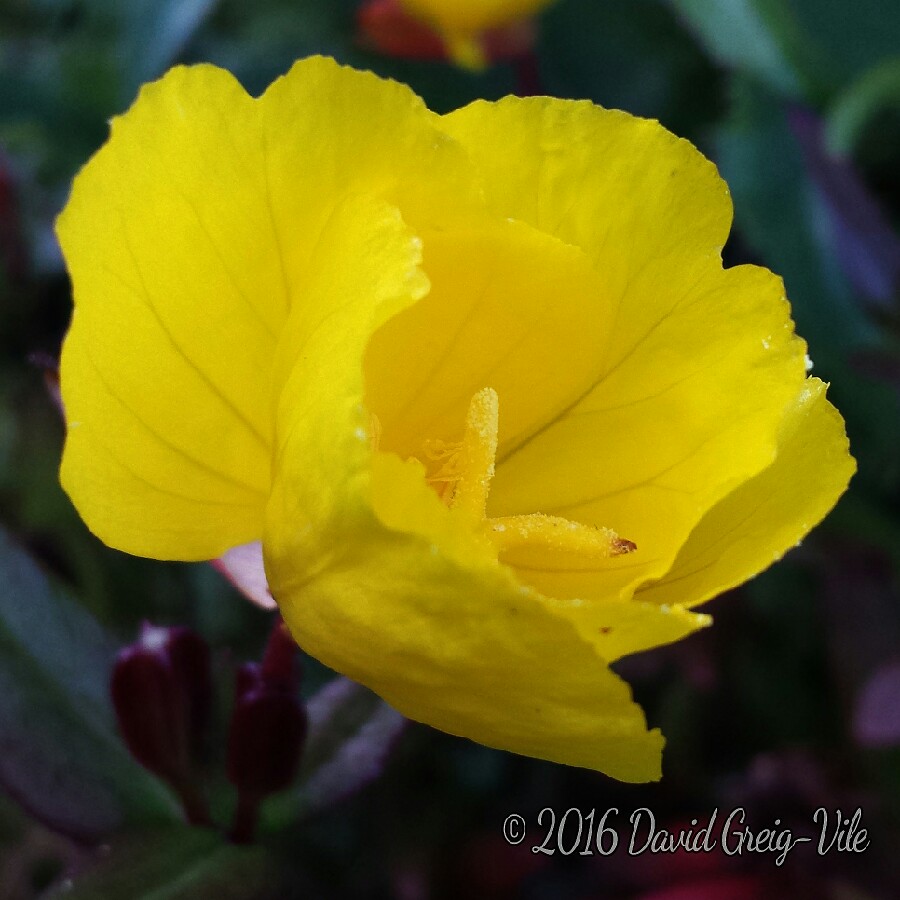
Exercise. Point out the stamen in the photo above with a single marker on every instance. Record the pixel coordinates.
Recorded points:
(555, 533)
(464, 480)
(476, 459)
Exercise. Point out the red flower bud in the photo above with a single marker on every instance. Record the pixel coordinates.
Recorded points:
(268, 729)
(161, 691)
(188, 655)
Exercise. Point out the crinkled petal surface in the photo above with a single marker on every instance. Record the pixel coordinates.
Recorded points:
(425, 614)
(281, 303)
(755, 524)
(700, 364)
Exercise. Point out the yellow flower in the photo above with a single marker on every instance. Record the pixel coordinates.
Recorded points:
(449, 370)
(462, 23)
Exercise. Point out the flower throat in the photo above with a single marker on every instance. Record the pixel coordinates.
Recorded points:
(462, 479)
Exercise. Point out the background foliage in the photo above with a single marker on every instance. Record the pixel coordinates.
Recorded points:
(790, 703)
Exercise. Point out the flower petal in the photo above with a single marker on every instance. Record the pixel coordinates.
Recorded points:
(504, 300)
(167, 452)
(377, 579)
(469, 16)
(755, 524)
(243, 567)
(663, 429)
(330, 131)
(188, 238)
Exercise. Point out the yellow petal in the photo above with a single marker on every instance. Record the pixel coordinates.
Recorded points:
(331, 131)
(377, 579)
(663, 429)
(188, 238)
(504, 300)
(179, 298)
(754, 526)
(471, 16)
(646, 206)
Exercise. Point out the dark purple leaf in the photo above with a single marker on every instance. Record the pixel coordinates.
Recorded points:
(865, 243)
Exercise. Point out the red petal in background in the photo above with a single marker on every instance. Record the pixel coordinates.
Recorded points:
(386, 27)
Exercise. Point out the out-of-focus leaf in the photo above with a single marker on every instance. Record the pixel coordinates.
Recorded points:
(873, 525)
(863, 238)
(758, 37)
(853, 36)
(858, 104)
(633, 56)
(155, 34)
(60, 756)
(783, 216)
(876, 722)
(351, 734)
(176, 864)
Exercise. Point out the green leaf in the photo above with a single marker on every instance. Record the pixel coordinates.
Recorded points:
(853, 36)
(60, 756)
(759, 37)
(176, 864)
(876, 90)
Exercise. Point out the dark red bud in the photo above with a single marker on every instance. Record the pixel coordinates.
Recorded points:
(151, 711)
(161, 691)
(189, 657)
(247, 678)
(268, 729)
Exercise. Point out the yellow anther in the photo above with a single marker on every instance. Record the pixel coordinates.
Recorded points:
(475, 463)
(464, 480)
(555, 534)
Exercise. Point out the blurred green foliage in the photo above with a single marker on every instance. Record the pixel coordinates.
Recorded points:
(798, 102)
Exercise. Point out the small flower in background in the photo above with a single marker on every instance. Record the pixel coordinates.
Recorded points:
(478, 384)
(471, 33)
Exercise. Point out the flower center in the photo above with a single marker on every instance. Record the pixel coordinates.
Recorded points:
(462, 478)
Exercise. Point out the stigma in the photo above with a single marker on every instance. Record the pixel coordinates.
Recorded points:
(462, 477)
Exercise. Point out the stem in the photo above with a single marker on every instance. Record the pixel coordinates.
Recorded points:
(246, 817)
(194, 804)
